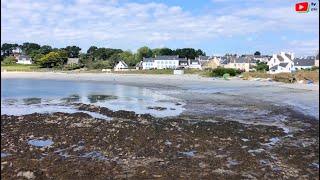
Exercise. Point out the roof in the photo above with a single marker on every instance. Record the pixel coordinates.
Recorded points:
(288, 55)
(125, 64)
(139, 64)
(148, 59)
(280, 58)
(274, 67)
(283, 64)
(203, 57)
(167, 58)
(20, 57)
(304, 61)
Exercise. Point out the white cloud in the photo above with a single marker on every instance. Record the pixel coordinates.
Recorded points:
(137, 23)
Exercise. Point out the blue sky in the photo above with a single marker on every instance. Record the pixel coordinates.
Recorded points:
(216, 26)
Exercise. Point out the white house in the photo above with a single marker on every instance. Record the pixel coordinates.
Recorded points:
(282, 62)
(23, 59)
(120, 66)
(194, 64)
(163, 62)
(304, 63)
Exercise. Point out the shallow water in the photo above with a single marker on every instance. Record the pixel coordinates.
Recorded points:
(25, 96)
(40, 142)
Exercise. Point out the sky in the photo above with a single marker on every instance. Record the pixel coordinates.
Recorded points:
(215, 26)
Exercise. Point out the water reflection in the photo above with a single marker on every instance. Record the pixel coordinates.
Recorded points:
(19, 96)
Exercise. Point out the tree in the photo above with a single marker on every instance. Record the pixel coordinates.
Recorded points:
(73, 51)
(105, 53)
(6, 49)
(9, 60)
(54, 59)
(128, 58)
(143, 52)
(162, 52)
(30, 47)
(257, 53)
(262, 66)
(45, 49)
(189, 53)
(91, 50)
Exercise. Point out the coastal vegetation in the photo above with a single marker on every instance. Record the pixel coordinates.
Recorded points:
(46, 56)
(297, 76)
(220, 71)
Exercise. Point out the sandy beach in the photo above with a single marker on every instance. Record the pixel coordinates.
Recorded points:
(233, 129)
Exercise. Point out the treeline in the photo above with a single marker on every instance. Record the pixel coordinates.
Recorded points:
(94, 57)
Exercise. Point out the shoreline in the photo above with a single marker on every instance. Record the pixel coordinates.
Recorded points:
(151, 79)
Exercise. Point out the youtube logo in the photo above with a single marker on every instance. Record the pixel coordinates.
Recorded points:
(302, 7)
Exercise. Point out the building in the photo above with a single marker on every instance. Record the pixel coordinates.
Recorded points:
(282, 62)
(148, 63)
(164, 62)
(194, 64)
(120, 66)
(23, 59)
(304, 63)
(316, 62)
(139, 65)
(243, 63)
(212, 63)
(73, 61)
(262, 58)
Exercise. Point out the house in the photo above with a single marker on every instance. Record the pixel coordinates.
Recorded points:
(282, 62)
(304, 63)
(262, 58)
(148, 63)
(120, 66)
(212, 63)
(203, 59)
(73, 61)
(163, 62)
(23, 59)
(244, 63)
(316, 62)
(17, 50)
(139, 65)
(194, 64)
(183, 63)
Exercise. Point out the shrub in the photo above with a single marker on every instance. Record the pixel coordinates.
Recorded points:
(284, 77)
(101, 65)
(219, 72)
(9, 60)
(72, 66)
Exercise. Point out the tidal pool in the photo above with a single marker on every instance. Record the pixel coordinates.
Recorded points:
(26, 96)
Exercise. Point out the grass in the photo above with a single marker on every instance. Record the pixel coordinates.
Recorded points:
(150, 71)
(285, 77)
(20, 67)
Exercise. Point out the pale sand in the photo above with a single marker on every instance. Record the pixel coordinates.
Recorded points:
(303, 97)
(147, 79)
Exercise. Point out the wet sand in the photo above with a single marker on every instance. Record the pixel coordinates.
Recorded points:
(240, 133)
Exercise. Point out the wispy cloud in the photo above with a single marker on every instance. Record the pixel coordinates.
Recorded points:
(134, 24)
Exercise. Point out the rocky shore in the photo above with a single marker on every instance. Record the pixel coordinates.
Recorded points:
(78, 146)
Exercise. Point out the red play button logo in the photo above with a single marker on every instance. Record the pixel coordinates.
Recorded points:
(302, 7)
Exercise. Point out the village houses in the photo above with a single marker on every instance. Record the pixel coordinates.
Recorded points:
(120, 66)
(282, 62)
